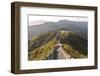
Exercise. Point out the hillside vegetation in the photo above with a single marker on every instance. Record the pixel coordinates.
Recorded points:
(42, 46)
(75, 41)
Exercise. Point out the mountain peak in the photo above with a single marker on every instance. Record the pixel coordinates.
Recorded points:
(64, 20)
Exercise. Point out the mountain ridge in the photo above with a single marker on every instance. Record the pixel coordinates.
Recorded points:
(79, 27)
(49, 40)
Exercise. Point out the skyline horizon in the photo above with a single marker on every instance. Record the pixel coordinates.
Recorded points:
(39, 19)
(38, 22)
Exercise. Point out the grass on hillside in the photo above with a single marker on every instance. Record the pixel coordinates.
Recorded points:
(43, 45)
(74, 53)
(43, 51)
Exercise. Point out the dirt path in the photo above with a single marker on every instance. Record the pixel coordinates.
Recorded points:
(62, 54)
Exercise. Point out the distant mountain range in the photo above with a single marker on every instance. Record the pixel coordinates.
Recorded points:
(79, 27)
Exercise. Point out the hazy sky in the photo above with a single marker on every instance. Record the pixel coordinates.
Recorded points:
(39, 19)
